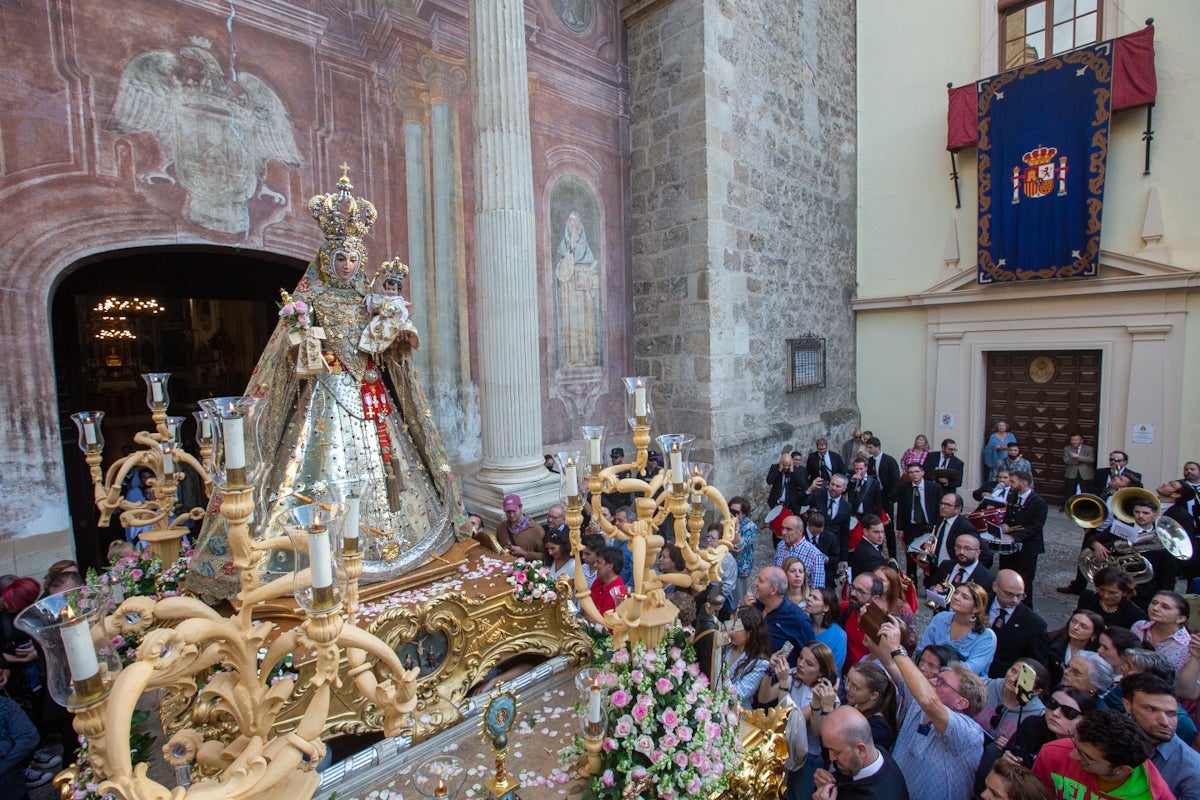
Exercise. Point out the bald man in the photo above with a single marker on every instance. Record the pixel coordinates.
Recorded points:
(861, 771)
(1020, 632)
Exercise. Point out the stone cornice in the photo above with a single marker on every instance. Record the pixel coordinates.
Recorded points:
(1118, 274)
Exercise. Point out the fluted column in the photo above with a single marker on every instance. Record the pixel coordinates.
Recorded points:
(510, 390)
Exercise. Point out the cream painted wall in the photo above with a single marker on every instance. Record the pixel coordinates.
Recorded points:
(897, 403)
(907, 201)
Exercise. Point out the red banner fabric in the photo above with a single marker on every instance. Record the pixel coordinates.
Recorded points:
(1134, 84)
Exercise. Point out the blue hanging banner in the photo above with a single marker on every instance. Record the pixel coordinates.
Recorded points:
(1043, 149)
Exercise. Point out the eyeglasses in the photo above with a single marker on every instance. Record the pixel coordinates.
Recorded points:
(1116, 461)
(938, 680)
(1007, 593)
(1084, 758)
(1070, 713)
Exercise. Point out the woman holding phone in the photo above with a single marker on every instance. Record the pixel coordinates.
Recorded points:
(814, 668)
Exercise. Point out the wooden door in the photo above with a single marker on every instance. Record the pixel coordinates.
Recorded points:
(1046, 395)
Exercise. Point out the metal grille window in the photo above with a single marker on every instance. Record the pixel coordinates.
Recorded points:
(806, 363)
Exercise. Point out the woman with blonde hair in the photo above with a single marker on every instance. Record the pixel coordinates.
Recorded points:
(797, 578)
(914, 455)
(897, 604)
(965, 627)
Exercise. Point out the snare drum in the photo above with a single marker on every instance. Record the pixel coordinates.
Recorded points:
(1000, 546)
(982, 518)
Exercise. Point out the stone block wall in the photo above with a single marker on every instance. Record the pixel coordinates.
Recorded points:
(744, 191)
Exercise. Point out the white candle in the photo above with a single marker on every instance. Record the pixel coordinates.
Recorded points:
(81, 652)
(676, 465)
(319, 559)
(572, 479)
(168, 462)
(594, 456)
(89, 430)
(156, 390)
(594, 703)
(235, 443)
(205, 427)
(639, 400)
(352, 513)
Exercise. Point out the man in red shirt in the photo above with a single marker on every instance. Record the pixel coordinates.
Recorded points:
(608, 590)
(1108, 757)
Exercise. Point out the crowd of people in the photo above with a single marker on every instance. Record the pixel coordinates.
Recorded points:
(988, 699)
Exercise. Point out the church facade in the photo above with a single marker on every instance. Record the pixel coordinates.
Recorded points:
(1112, 356)
(693, 212)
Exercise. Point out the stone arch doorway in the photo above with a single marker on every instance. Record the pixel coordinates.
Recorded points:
(202, 314)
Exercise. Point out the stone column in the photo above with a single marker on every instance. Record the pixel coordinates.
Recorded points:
(412, 107)
(510, 388)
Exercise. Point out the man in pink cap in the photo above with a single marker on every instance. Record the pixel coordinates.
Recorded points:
(518, 533)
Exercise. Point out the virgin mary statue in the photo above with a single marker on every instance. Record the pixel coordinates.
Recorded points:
(334, 411)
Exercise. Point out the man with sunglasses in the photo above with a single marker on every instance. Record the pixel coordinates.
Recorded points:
(1117, 476)
(1107, 757)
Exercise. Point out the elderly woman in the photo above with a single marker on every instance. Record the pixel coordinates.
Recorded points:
(964, 627)
(1088, 672)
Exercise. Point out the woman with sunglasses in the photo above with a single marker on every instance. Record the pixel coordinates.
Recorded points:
(743, 541)
(1062, 711)
(747, 655)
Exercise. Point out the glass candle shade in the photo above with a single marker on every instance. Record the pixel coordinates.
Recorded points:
(81, 662)
(638, 410)
(696, 473)
(174, 424)
(441, 776)
(676, 447)
(319, 579)
(204, 428)
(569, 472)
(157, 395)
(236, 460)
(593, 440)
(88, 425)
(356, 495)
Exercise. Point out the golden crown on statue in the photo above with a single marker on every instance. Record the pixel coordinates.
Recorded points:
(339, 214)
(393, 269)
(1040, 155)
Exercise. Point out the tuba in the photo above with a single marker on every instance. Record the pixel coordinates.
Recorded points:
(1122, 554)
(1087, 511)
(1122, 502)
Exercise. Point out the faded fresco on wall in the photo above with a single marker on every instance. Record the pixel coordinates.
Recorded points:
(215, 133)
(577, 278)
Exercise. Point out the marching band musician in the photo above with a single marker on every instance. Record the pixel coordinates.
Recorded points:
(917, 510)
(994, 494)
(1166, 568)
(966, 566)
(1023, 522)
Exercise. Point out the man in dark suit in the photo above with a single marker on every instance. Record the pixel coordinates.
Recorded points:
(952, 524)
(868, 555)
(1107, 481)
(861, 771)
(963, 568)
(945, 460)
(1024, 520)
(1020, 632)
(832, 502)
(994, 493)
(887, 470)
(917, 510)
(823, 463)
(865, 492)
(786, 492)
(819, 537)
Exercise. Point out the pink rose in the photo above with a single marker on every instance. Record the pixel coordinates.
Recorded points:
(670, 718)
(637, 676)
(669, 742)
(301, 306)
(620, 698)
(644, 744)
(697, 759)
(684, 733)
(624, 727)
(640, 713)
(680, 759)
(607, 778)
(663, 685)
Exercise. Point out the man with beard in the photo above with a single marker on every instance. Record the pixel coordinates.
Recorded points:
(965, 566)
(1150, 702)
(861, 771)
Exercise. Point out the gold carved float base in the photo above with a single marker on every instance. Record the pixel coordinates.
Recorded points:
(456, 619)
